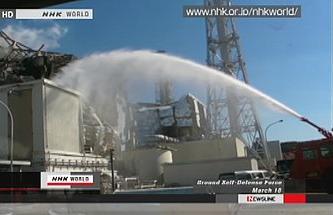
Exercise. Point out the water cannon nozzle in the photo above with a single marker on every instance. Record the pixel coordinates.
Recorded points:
(321, 130)
(304, 119)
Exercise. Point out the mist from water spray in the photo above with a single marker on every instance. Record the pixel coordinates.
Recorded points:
(98, 77)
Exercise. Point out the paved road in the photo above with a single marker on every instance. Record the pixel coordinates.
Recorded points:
(169, 209)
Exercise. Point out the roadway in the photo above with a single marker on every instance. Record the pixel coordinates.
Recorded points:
(156, 209)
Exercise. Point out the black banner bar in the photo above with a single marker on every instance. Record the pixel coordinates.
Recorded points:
(319, 198)
(19, 181)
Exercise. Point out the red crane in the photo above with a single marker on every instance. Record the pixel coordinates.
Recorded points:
(323, 131)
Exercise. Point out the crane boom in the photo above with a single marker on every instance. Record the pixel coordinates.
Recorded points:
(323, 131)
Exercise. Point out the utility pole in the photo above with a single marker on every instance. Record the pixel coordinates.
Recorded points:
(112, 169)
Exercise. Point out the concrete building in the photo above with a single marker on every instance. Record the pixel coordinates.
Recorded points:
(274, 148)
(186, 174)
(147, 164)
(206, 149)
(47, 129)
(183, 163)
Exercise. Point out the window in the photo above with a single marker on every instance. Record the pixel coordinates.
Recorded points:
(258, 175)
(326, 151)
(244, 176)
(266, 174)
(309, 154)
(227, 176)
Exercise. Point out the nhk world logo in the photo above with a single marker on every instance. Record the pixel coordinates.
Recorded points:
(70, 180)
(74, 180)
(53, 14)
(260, 199)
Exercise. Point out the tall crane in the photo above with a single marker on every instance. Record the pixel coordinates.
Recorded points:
(164, 92)
(163, 88)
(229, 114)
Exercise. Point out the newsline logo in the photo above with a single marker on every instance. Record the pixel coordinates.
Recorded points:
(260, 199)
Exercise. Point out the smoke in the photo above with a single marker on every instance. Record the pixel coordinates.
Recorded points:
(105, 78)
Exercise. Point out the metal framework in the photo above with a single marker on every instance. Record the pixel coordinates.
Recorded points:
(18, 60)
(230, 114)
(163, 88)
(163, 92)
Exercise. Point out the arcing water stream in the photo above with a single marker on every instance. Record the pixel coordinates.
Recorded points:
(99, 75)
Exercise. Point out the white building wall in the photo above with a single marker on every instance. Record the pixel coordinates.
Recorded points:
(200, 150)
(38, 123)
(147, 164)
(187, 174)
(275, 151)
(62, 120)
(4, 139)
(55, 121)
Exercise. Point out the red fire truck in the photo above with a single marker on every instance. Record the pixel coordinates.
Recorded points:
(313, 163)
